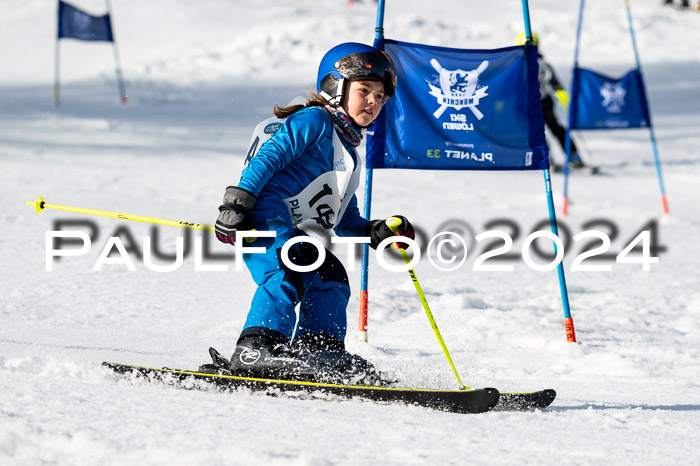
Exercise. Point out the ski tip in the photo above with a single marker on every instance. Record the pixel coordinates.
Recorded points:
(526, 401)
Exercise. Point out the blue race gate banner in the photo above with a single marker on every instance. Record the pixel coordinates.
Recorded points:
(602, 102)
(458, 109)
(76, 24)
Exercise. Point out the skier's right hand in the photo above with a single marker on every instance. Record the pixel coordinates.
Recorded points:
(563, 98)
(233, 214)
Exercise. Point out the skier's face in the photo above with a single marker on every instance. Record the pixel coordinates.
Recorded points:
(363, 101)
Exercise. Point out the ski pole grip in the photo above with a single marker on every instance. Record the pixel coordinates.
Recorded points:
(393, 223)
(251, 239)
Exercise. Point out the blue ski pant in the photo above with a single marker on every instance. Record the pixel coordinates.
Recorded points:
(322, 294)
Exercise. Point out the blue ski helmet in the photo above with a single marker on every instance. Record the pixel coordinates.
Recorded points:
(353, 61)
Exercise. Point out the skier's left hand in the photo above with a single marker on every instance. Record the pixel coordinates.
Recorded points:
(378, 231)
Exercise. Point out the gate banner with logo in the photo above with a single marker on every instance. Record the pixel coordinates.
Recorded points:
(458, 109)
(602, 102)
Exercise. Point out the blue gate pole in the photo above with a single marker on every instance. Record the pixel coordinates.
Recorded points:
(568, 320)
(364, 277)
(664, 202)
(572, 109)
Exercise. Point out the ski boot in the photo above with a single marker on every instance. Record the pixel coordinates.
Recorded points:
(575, 161)
(265, 357)
(332, 363)
(577, 164)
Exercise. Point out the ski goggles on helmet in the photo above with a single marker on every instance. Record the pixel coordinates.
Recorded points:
(369, 66)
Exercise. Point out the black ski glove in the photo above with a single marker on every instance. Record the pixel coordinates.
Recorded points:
(233, 214)
(378, 231)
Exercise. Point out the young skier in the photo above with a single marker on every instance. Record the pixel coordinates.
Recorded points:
(303, 178)
(549, 89)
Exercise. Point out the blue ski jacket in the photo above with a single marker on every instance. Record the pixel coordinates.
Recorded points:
(306, 170)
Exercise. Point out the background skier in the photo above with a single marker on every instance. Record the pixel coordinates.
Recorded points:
(550, 88)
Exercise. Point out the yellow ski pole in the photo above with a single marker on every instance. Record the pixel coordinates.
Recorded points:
(40, 204)
(393, 223)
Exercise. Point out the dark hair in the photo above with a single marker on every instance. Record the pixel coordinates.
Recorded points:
(313, 100)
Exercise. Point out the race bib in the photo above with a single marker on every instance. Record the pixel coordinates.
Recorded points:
(322, 203)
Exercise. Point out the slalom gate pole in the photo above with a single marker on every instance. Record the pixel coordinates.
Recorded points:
(57, 68)
(568, 320)
(664, 202)
(393, 223)
(40, 204)
(117, 63)
(572, 109)
(364, 275)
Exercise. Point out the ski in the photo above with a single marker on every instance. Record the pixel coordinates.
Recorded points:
(525, 401)
(454, 401)
(586, 169)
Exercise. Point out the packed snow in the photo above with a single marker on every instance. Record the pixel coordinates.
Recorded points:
(199, 76)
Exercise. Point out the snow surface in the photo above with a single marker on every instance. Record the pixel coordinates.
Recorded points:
(199, 76)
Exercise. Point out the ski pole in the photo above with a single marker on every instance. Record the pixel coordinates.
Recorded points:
(40, 204)
(580, 140)
(393, 223)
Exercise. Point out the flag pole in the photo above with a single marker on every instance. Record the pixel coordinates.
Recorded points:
(568, 320)
(56, 85)
(664, 202)
(117, 63)
(572, 109)
(364, 276)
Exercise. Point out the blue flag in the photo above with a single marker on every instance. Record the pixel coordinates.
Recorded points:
(602, 102)
(76, 24)
(460, 109)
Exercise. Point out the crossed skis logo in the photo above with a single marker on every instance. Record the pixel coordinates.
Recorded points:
(613, 97)
(458, 89)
